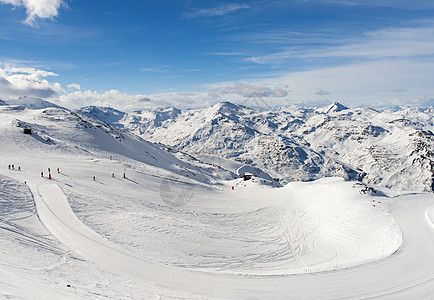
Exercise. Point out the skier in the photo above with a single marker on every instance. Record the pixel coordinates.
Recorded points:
(13, 167)
(49, 170)
(19, 168)
(113, 175)
(9, 167)
(42, 174)
(93, 178)
(58, 170)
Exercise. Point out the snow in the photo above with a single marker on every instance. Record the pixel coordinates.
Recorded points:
(32, 103)
(109, 115)
(334, 107)
(174, 228)
(389, 148)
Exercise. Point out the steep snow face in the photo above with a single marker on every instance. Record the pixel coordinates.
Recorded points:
(392, 148)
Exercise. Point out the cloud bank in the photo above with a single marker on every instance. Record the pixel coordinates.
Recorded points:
(248, 90)
(112, 98)
(376, 84)
(24, 81)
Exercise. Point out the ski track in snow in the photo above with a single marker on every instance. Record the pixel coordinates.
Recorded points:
(408, 266)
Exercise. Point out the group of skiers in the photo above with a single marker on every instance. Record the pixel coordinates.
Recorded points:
(58, 171)
(49, 173)
(12, 167)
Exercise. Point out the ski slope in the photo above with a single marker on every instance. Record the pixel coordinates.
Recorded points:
(174, 230)
(410, 267)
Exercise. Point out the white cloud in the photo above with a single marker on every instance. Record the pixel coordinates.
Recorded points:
(27, 70)
(13, 2)
(369, 83)
(182, 99)
(321, 92)
(381, 44)
(216, 11)
(112, 98)
(74, 87)
(386, 43)
(161, 69)
(42, 9)
(25, 81)
(247, 90)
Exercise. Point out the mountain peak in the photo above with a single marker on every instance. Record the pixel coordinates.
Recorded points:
(334, 107)
(228, 108)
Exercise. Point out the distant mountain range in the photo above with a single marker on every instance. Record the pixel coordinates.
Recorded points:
(391, 148)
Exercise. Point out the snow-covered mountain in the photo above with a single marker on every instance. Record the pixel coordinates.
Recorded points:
(391, 148)
(58, 130)
(178, 227)
(31, 103)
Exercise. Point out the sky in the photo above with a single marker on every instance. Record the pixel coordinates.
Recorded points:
(133, 55)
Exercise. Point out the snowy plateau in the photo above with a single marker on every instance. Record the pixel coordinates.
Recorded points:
(225, 202)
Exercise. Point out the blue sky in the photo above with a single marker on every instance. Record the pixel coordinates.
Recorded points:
(137, 54)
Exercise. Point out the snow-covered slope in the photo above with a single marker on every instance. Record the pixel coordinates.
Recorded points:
(175, 229)
(392, 148)
(32, 103)
(58, 130)
(106, 114)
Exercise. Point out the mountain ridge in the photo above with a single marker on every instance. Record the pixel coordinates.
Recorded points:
(391, 148)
